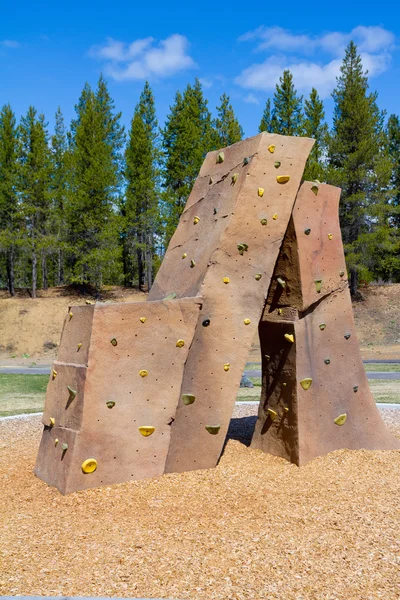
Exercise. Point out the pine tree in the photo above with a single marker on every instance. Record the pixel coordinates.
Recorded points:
(227, 127)
(96, 140)
(393, 133)
(187, 137)
(314, 126)
(358, 163)
(287, 118)
(266, 121)
(59, 183)
(9, 209)
(34, 187)
(141, 202)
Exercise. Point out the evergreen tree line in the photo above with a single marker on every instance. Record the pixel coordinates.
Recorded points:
(94, 205)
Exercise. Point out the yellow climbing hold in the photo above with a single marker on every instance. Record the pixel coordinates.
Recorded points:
(146, 430)
(282, 178)
(226, 279)
(271, 148)
(286, 409)
(54, 374)
(318, 285)
(220, 157)
(280, 311)
(56, 441)
(315, 189)
(72, 393)
(143, 373)
(71, 314)
(272, 414)
(88, 302)
(142, 319)
(306, 383)
(330, 235)
(257, 276)
(263, 221)
(341, 419)
(188, 399)
(52, 421)
(284, 384)
(180, 344)
(184, 255)
(64, 446)
(79, 345)
(196, 220)
(281, 282)
(247, 321)
(235, 178)
(89, 465)
(227, 366)
(213, 429)
(275, 216)
(114, 342)
(261, 192)
(289, 337)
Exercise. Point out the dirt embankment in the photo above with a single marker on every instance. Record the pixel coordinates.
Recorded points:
(33, 327)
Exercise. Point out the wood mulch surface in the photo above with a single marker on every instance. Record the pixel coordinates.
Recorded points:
(254, 528)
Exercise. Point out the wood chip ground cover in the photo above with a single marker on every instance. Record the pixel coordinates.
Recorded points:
(256, 527)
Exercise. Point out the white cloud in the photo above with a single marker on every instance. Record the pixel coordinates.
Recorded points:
(144, 58)
(251, 99)
(10, 44)
(374, 45)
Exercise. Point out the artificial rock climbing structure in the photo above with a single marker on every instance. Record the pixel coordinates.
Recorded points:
(141, 389)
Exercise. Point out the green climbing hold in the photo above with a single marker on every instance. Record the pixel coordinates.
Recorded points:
(242, 248)
(322, 326)
(257, 276)
(72, 393)
(188, 399)
(64, 446)
(213, 429)
(327, 361)
(263, 221)
(246, 160)
(220, 157)
(110, 404)
(235, 178)
(341, 419)
(277, 164)
(315, 189)
(281, 282)
(307, 231)
(347, 336)
(170, 296)
(113, 341)
(318, 285)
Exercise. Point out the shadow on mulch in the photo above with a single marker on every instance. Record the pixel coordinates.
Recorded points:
(241, 430)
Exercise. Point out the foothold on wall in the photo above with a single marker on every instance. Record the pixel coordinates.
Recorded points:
(286, 409)
(72, 393)
(213, 429)
(146, 430)
(143, 373)
(281, 282)
(113, 341)
(272, 414)
(110, 404)
(284, 384)
(52, 421)
(220, 157)
(306, 383)
(196, 220)
(355, 388)
(215, 211)
(192, 263)
(330, 236)
(257, 276)
(267, 357)
(235, 178)
(289, 337)
(315, 189)
(142, 319)
(327, 361)
(206, 322)
(275, 216)
(318, 285)
(227, 366)
(341, 273)
(226, 279)
(79, 346)
(280, 311)
(53, 374)
(322, 326)
(347, 336)
(242, 248)
(282, 178)
(170, 296)
(188, 399)
(180, 343)
(184, 255)
(307, 231)
(277, 164)
(56, 441)
(263, 221)
(261, 192)
(89, 465)
(64, 446)
(246, 160)
(88, 302)
(247, 321)
(271, 148)
(211, 181)
(71, 314)
(341, 419)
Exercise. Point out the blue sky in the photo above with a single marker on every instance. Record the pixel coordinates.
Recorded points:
(48, 50)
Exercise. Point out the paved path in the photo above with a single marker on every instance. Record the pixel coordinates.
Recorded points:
(370, 375)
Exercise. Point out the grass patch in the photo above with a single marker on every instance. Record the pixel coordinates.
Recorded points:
(256, 381)
(21, 394)
(383, 367)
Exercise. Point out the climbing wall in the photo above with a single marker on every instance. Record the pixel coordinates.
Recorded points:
(315, 395)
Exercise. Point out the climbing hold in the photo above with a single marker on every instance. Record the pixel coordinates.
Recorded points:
(235, 178)
(315, 189)
(142, 319)
(215, 211)
(211, 181)
(282, 178)
(180, 344)
(285, 408)
(307, 231)
(88, 302)
(341, 273)
(146, 430)
(327, 361)
(206, 322)
(347, 336)
(184, 255)
(213, 429)
(281, 282)
(284, 384)
(280, 311)
(355, 388)
(196, 220)
(56, 441)
(220, 157)
(289, 337)
(72, 393)
(143, 373)
(79, 346)
(246, 160)
(318, 285)
(272, 414)
(330, 236)
(188, 399)
(267, 356)
(110, 404)
(263, 221)
(54, 374)
(271, 148)
(257, 276)
(261, 192)
(192, 263)
(247, 321)
(170, 296)
(306, 383)
(52, 421)
(226, 279)
(242, 248)
(275, 216)
(71, 314)
(277, 164)
(227, 366)
(89, 465)
(322, 326)
(64, 446)
(113, 341)
(341, 419)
